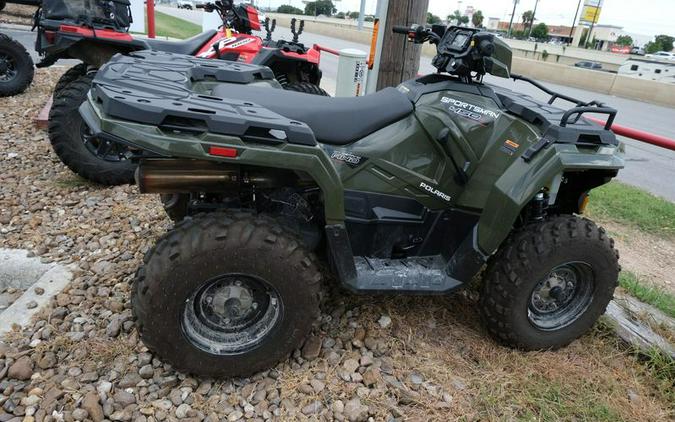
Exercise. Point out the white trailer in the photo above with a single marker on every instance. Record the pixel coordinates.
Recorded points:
(653, 70)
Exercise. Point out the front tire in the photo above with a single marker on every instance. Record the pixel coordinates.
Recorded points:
(16, 67)
(307, 88)
(103, 162)
(225, 295)
(549, 283)
(69, 76)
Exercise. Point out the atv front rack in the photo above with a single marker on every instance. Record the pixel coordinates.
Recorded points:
(594, 106)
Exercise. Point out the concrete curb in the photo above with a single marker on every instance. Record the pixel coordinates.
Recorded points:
(15, 27)
(18, 314)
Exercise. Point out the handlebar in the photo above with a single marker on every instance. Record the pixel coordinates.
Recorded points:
(199, 6)
(398, 29)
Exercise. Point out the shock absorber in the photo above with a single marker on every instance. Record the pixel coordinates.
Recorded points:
(539, 206)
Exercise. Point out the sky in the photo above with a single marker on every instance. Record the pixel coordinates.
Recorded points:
(647, 17)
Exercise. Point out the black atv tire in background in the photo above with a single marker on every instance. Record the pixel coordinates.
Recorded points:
(16, 67)
(307, 88)
(69, 76)
(549, 283)
(100, 161)
(226, 294)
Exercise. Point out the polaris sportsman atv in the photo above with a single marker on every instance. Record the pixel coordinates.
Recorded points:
(94, 31)
(410, 190)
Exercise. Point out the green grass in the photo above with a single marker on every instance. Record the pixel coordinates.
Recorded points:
(632, 206)
(168, 26)
(658, 298)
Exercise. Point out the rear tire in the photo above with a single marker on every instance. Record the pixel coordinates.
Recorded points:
(91, 158)
(307, 88)
(192, 313)
(69, 76)
(549, 283)
(16, 67)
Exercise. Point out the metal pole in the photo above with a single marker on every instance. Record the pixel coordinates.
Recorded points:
(513, 14)
(151, 18)
(362, 13)
(534, 13)
(574, 22)
(371, 81)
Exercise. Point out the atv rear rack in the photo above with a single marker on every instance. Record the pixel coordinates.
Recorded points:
(582, 107)
(173, 92)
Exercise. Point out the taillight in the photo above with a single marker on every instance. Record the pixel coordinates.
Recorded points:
(223, 152)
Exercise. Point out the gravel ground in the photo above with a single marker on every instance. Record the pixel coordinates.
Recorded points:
(374, 359)
(17, 14)
(8, 296)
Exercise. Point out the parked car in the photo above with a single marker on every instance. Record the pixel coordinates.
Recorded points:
(662, 55)
(186, 4)
(638, 51)
(589, 65)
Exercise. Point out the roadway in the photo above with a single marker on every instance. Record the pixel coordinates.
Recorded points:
(649, 167)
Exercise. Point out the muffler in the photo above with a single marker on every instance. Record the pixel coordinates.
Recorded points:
(192, 176)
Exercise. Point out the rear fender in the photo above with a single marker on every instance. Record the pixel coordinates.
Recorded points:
(311, 160)
(518, 185)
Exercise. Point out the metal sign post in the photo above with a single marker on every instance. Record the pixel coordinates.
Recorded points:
(382, 10)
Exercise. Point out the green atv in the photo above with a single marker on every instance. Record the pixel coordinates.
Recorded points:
(412, 190)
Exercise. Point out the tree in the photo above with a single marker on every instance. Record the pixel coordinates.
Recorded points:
(660, 43)
(291, 10)
(528, 18)
(477, 19)
(432, 19)
(354, 15)
(625, 40)
(320, 7)
(458, 18)
(540, 32)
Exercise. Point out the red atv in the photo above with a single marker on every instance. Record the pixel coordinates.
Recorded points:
(93, 34)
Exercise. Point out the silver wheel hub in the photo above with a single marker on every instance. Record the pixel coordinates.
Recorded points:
(231, 314)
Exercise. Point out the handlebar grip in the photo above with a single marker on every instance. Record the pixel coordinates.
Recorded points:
(398, 29)
(199, 6)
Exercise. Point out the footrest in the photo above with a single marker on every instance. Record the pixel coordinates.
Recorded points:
(411, 275)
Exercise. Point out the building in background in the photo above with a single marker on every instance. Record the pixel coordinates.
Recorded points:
(492, 24)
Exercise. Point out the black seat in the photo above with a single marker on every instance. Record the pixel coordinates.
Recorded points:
(336, 121)
(189, 46)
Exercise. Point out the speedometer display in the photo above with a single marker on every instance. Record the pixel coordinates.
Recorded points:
(459, 41)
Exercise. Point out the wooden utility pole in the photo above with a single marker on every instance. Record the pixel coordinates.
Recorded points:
(400, 59)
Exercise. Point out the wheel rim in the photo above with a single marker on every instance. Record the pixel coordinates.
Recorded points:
(7, 68)
(231, 314)
(103, 149)
(562, 296)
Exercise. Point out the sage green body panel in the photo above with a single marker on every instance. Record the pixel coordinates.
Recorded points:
(401, 158)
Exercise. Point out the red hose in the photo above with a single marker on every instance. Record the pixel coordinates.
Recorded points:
(318, 47)
(639, 135)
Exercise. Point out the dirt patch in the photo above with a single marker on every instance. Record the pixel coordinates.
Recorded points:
(648, 256)
(17, 14)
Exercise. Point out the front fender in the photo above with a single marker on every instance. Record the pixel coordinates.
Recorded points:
(522, 181)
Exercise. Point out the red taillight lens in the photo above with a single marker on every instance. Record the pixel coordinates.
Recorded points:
(223, 152)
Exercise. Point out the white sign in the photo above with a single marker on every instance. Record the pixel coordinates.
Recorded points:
(138, 16)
